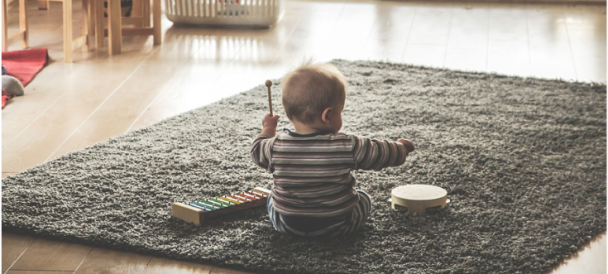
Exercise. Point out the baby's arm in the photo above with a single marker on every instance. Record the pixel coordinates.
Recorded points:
(260, 150)
(408, 145)
(377, 154)
(269, 124)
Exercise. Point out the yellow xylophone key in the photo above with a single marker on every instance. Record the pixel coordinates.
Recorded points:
(214, 203)
(263, 191)
(230, 200)
(226, 203)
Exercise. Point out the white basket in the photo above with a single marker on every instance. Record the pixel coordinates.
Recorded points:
(242, 13)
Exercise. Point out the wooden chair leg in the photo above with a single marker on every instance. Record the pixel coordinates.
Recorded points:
(23, 25)
(99, 20)
(67, 30)
(43, 4)
(23, 34)
(114, 27)
(4, 26)
(156, 23)
(146, 13)
(86, 24)
(115, 30)
(137, 11)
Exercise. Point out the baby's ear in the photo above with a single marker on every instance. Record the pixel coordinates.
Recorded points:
(325, 115)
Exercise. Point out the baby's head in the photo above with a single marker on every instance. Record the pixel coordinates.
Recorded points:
(314, 95)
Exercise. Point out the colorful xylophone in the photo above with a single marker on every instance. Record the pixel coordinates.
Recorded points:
(197, 211)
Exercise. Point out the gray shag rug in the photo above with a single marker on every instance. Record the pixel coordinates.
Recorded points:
(523, 160)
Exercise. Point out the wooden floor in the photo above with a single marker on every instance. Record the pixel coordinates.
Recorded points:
(70, 106)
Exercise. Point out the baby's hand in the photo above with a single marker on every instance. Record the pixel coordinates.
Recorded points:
(270, 121)
(408, 145)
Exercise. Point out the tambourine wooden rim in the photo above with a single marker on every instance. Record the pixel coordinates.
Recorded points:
(419, 198)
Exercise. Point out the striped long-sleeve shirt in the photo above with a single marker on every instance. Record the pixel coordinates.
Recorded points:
(312, 173)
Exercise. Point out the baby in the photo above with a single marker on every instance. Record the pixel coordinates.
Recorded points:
(314, 192)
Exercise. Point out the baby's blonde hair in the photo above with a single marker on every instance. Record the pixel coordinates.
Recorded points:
(310, 89)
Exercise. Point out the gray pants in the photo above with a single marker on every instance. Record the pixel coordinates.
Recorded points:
(338, 228)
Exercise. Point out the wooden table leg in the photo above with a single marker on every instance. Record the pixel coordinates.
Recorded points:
(114, 27)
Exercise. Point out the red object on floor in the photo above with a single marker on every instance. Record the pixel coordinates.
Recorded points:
(5, 97)
(24, 64)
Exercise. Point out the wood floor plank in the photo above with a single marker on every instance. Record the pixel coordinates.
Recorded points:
(45, 254)
(13, 246)
(163, 265)
(107, 261)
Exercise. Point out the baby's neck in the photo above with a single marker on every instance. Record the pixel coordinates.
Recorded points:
(303, 129)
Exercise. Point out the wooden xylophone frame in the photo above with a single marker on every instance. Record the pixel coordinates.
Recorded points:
(196, 212)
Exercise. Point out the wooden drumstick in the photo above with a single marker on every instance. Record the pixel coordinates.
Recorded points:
(268, 84)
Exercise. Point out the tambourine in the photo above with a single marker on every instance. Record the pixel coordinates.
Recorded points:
(419, 198)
